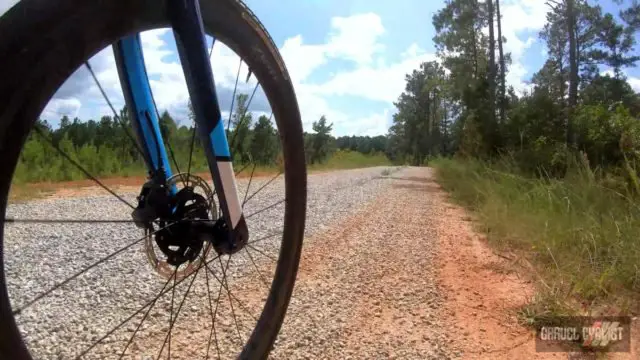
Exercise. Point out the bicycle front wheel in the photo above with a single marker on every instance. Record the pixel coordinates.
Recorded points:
(48, 41)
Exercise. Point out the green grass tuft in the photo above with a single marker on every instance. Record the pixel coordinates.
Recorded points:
(580, 235)
(345, 159)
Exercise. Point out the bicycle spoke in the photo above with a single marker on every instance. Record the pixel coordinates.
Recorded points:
(266, 208)
(263, 253)
(173, 322)
(136, 313)
(213, 41)
(173, 295)
(213, 313)
(167, 140)
(242, 169)
(115, 114)
(233, 97)
(175, 163)
(256, 268)
(193, 139)
(262, 187)
(248, 185)
(224, 279)
(242, 117)
(63, 221)
(242, 306)
(147, 314)
(124, 127)
(83, 170)
(264, 238)
(74, 276)
(235, 174)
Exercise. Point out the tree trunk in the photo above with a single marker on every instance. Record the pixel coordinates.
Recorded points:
(445, 125)
(492, 63)
(429, 127)
(475, 41)
(433, 124)
(573, 68)
(561, 81)
(503, 92)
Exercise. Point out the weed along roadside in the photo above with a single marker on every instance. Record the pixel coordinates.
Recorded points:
(339, 160)
(574, 237)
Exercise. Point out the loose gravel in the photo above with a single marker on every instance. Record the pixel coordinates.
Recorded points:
(368, 288)
(39, 256)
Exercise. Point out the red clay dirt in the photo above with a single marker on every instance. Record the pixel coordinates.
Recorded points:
(484, 292)
(88, 187)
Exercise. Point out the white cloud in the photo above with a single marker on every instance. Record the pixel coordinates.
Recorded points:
(57, 108)
(5, 5)
(301, 60)
(519, 19)
(632, 80)
(607, 72)
(372, 125)
(517, 72)
(382, 83)
(635, 83)
(166, 79)
(356, 39)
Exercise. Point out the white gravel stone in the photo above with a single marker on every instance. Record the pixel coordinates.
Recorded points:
(60, 325)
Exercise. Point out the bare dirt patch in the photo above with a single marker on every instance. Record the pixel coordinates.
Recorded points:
(119, 184)
(485, 290)
(483, 294)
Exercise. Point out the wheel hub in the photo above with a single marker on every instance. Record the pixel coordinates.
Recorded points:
(178, 241)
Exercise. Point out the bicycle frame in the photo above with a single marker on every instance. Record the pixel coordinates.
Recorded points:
(189, 32)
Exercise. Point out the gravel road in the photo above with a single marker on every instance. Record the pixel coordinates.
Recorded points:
(390, 269)
(352, 252)
(368, 287)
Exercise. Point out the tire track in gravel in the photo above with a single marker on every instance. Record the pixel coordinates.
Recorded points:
(367, 287)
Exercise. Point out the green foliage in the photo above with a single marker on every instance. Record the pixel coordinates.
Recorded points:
(319, 146)
(581, 232)
(609, 91)
(607, 135)
(556, 175)
(363, 144)
(347, 159)
(240, 139)
(420, 128)
(265, 144)
(451, 108)
(104, 149)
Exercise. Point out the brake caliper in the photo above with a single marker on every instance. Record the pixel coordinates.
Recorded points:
(154, 201)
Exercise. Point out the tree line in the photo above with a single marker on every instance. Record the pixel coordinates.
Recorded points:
(461, 104)
(106, 147)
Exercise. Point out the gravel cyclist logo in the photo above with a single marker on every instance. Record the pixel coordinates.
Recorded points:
(601, 333)
(604, 334)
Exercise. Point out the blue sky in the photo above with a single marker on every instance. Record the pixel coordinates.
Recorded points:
(347, 59)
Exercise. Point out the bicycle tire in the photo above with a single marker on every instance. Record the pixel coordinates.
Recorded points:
(45, 41)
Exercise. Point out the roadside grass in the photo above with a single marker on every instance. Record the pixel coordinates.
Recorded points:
(580, 237)
(340, 160)
(345, 159)
(24, 192)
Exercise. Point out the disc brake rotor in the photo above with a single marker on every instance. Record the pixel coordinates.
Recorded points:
(175, 249)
